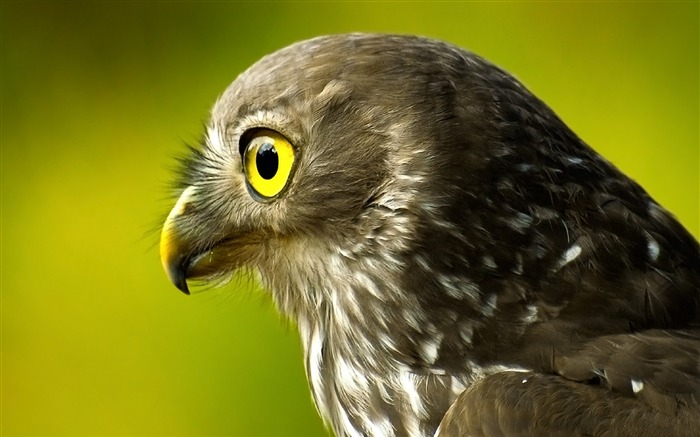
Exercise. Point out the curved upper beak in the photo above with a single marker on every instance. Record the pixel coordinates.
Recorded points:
(174, 250)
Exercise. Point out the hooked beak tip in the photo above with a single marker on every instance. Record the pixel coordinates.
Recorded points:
(175, 266)
(179, 278)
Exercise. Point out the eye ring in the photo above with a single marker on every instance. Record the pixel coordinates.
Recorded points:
(268, 158)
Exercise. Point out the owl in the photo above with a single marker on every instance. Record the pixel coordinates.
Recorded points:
(457, 260)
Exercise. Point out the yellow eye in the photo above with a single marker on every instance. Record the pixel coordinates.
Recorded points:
(267, 162)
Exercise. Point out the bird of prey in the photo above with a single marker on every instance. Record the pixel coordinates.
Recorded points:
(458, 261)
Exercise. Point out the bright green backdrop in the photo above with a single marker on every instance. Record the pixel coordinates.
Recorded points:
(97, 100)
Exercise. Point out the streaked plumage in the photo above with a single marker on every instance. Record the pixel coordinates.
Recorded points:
(454, 255)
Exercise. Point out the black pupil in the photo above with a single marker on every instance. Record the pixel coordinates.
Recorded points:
(267, 161)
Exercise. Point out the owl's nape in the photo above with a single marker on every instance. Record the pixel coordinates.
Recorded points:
(457, 260)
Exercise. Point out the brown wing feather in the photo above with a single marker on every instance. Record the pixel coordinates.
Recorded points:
(659, 367)
(520, 404)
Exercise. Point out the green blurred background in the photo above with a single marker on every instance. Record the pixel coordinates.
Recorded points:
(98, 99)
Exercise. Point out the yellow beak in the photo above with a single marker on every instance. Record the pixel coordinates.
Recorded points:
(173, 253)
